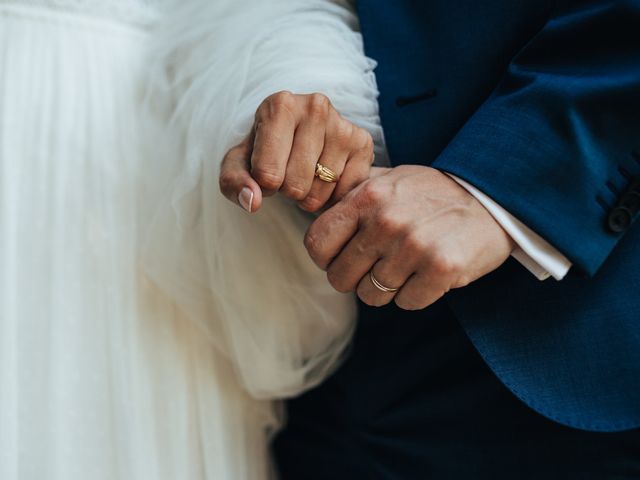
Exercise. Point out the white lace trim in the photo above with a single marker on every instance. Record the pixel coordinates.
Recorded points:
(139, 12)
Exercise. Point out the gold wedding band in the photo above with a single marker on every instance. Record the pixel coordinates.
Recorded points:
(380, 286)
(326, 174)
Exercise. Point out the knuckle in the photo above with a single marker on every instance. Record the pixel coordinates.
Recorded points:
(240, 149)
(281, 103)
(443, 263)
(267, 179)
(371, 299)
(368, 144)
(293, 190)
(343, 132)
(372, 192)
(283, 97)
(311, 204)
(319, 105)
(406, 303)
(389, 224)
(413, 243)
(336, 280)
(362, 139)
(261, 113)
(311, 243)
(403, 303)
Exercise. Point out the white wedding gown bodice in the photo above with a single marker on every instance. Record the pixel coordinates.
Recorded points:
(146, 324)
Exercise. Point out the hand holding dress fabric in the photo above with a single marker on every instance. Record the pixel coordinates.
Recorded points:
(247, 280)
(291, 135)
(416, 230)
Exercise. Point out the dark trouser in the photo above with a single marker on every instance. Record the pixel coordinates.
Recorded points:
(415, 401)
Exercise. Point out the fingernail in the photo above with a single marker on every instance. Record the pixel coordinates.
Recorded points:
(245, 198)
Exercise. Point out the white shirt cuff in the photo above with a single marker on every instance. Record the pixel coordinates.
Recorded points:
(533, 252)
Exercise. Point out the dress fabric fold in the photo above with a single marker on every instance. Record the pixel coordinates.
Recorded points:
(148, 327)
(247, 279)
(102, 377)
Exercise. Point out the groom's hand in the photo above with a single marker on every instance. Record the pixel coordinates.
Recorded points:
(291, 134)
(416, 229)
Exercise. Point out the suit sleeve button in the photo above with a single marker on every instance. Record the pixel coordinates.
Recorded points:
(619, 219)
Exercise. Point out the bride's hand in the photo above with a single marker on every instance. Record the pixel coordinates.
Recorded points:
(291, 134)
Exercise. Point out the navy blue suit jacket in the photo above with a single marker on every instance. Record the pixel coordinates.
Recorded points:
(536, 103)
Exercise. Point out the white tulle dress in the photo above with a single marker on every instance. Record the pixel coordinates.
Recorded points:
(148, 328)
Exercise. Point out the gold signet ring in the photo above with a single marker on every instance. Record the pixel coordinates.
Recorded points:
(326, 174)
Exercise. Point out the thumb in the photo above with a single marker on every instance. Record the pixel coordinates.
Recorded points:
(235, 179)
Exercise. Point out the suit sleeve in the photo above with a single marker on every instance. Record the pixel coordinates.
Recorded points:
(556, 143)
